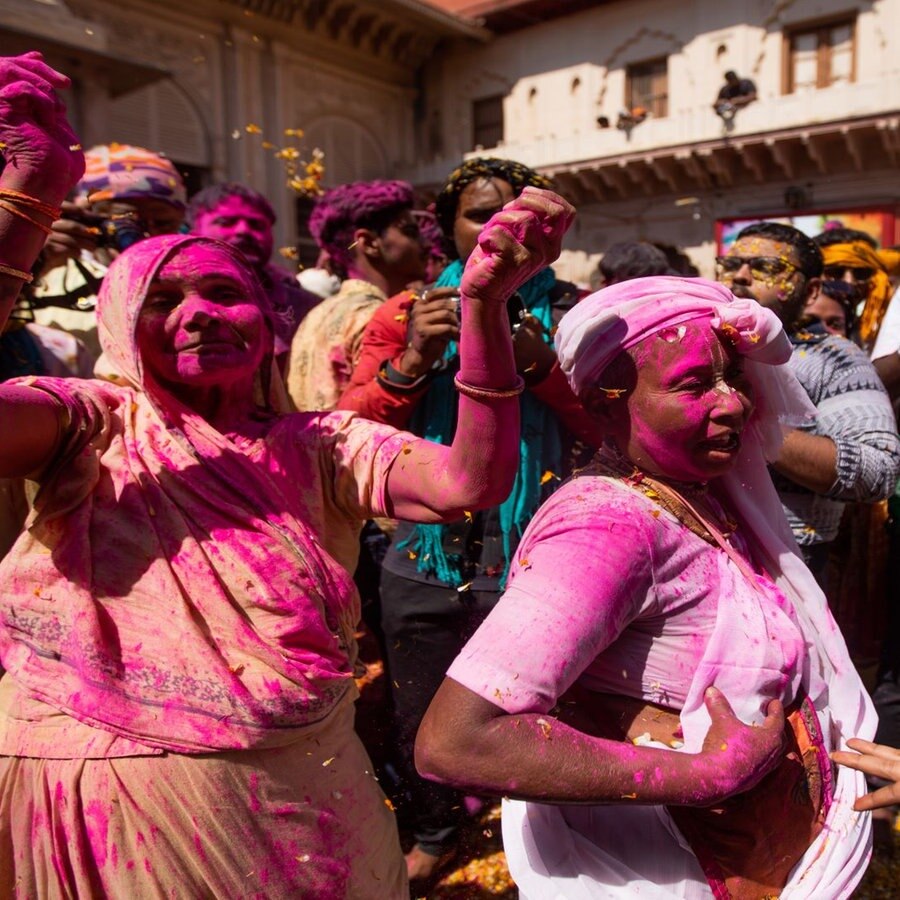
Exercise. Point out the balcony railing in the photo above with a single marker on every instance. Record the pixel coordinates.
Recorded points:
(688, 127)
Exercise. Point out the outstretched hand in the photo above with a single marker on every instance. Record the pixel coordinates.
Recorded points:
(517, 242)
(873, 759)
(735, 757)
(42, 153)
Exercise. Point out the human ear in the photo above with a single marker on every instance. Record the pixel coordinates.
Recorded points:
(367, 242)
(813, 286)
(603, 405)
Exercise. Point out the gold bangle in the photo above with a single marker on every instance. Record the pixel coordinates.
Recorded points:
(477, 393)
(27, 277)
(23, 215)
(45, 209)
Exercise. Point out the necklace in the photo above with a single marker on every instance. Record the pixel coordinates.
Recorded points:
(668, 495)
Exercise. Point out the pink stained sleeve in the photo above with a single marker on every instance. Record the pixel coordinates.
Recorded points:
(362, 453)
(582, 572)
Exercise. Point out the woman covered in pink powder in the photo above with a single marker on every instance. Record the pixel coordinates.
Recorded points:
(661, 684)
(177, 619)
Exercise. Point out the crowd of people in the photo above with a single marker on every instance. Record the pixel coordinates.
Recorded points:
(596, 537)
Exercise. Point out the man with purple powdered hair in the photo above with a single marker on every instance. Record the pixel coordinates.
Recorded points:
(372, 239)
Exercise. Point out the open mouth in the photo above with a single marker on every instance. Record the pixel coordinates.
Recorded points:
(727, 443)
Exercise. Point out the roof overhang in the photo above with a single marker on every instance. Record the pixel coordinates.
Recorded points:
(124, 75)
(795, 154)
(413, 13)
(504, 16)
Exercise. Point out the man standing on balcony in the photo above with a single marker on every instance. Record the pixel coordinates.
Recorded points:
(851, 451)
(735, 94)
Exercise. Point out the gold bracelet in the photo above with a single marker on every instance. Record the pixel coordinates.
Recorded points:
(26, 200)
(477, 393)
(23, 215)
(27, 277)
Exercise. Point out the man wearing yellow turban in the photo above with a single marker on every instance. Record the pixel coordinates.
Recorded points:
(854, 257)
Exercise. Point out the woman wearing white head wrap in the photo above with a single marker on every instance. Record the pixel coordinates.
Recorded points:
(659, 580)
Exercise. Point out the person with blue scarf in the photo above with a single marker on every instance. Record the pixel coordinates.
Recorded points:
(439, 581)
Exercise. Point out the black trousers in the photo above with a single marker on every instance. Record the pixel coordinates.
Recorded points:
(424, 628)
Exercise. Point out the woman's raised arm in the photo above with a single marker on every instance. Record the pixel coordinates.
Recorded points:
(42, 161)
(430, 482)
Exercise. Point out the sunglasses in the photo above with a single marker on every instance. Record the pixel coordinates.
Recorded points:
(760, 266)
(858, 273)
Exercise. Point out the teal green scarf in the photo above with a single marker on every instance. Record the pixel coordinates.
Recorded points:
(539, 443)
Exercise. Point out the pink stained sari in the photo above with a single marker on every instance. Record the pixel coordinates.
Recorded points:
(177, 592)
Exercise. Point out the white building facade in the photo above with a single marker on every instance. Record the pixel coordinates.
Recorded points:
(186, 79)
(823, 137)
(404, 89)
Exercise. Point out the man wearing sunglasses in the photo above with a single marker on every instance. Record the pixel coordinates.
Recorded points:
(851, 451)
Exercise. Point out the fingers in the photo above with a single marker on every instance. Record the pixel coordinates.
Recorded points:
(440, 293)
(717, 705)
(774, 716)
(438, 298)
(21, 95)
(33, 63)
(532, 326)
(68, 239)
(880, 750)
(535, 208)
(550, 204)
(886, 796)
(880, 767)
(85, 235)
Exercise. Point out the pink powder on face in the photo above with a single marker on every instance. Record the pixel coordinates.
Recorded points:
(240, 223)
(688, 393)
(201, 318)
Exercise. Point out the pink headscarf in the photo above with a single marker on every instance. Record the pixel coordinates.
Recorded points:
(615, 318)
(122, 295)
(592, 334)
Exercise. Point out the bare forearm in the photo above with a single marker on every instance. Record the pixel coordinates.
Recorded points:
(478, 468)
(489, 423)
(31, 425)
(537, 757)
(468, 742)
(20, 244)
(810, 460)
